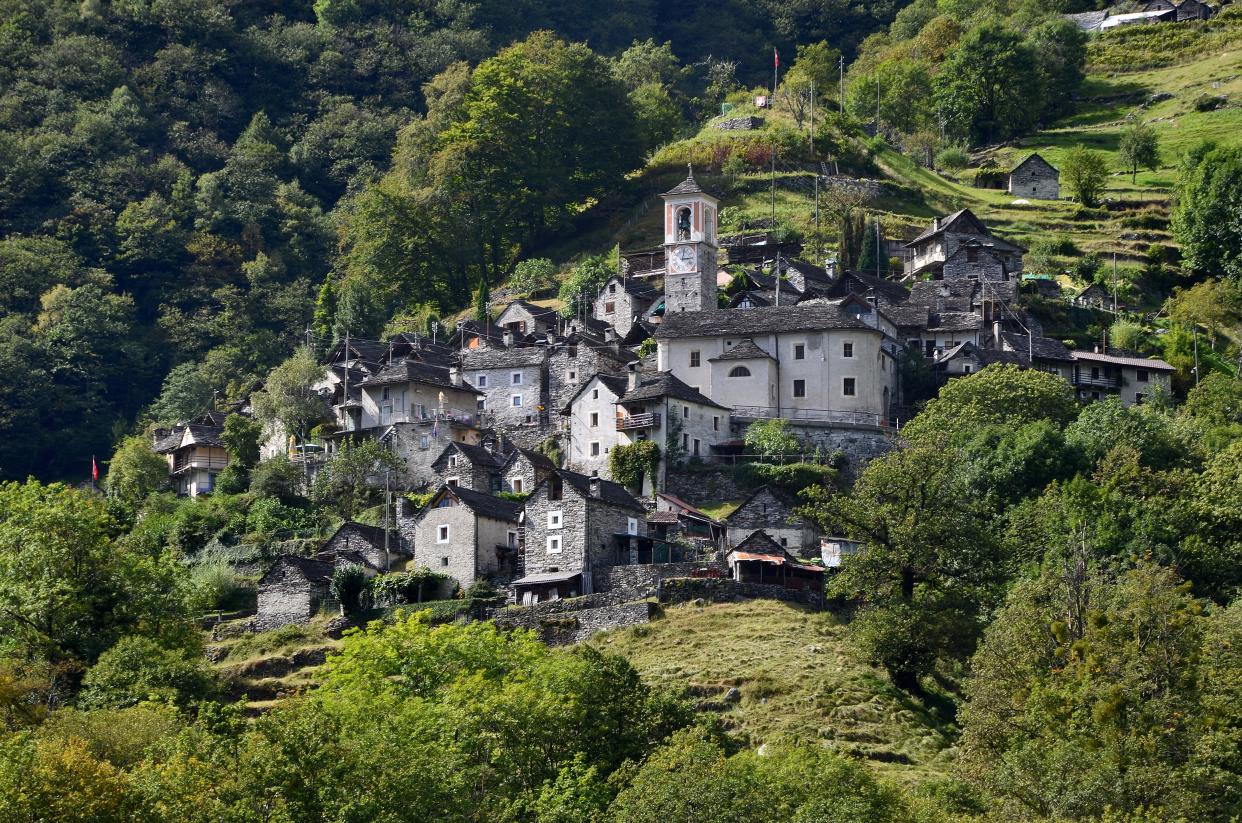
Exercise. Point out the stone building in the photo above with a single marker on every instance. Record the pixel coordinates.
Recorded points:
(774, 513)
(524, 470)
(690, 248)
(470, 467)
(523, 318)
(942, 238)
(590, 422)
(513, 384)
(819, 362)
(368, 543)
(573, 362)
(576, 527)
(623, 301)
(467, 535)
(1097, 375)
(293, 591)
(409, 390)
(759, 559)
(975, 260)
(1041, 353)
(663, 409)
(1035, 177)
(419, 443)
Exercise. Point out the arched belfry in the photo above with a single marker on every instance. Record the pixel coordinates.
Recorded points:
(690, 249)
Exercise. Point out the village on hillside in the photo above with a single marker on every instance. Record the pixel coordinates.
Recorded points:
(508, 432)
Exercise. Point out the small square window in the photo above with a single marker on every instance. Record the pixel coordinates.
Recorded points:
(612, 288)
(685, 412)
(554, 544)
(631, 525)
(444, 561)
(516, 377)
(695, 359)
(799, 388)
(517, 485)
(799, 351)
(847, 349)
(595, 449)
(517, 400)
(554, 519)
(481, 381)
(573, 375)
(1141, 375)
(610, 307)
(847, 386)
(595, 394)
(594, 419)
(442, 534)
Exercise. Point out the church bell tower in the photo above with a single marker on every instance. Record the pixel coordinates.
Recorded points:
(689, 248)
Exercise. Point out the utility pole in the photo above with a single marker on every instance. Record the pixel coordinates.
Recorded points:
(776, 65)
(841, 81)
(877, 245)
(1114, 286)
(877, 105)
(816, 159)
(1195, 330)
(387, 527)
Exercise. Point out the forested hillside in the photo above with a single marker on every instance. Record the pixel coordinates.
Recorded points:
(177, 178)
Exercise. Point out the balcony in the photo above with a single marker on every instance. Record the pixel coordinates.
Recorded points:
(418, 415)
(1101, 382)
(189, 462)
(650, 420)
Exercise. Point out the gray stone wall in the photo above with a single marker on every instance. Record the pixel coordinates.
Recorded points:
(986, 267)
(519, 469)
(869, 189)
(348, 540)
(859, 445)
(744, 123)
(561, 622)
(1035, 181)
(568, 372)
(717, 590)
(460, 551)
(604, 522)
(408, 443)
(285, 598)
(700, 485)
(572, 532)
(644, 580)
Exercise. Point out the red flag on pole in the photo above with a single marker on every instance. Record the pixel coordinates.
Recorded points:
(776, 58)
(94, 470)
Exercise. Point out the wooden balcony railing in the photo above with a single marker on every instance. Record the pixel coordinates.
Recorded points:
(639, 421)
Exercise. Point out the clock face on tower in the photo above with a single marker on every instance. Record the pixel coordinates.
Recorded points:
(682, 259)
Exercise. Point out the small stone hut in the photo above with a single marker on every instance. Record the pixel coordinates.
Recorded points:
(292, 591)
(1035, 177)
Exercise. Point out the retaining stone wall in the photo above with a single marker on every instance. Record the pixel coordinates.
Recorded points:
(644, 580)
(703, 485)
(746, 123)
(560, 622)
(685, 589)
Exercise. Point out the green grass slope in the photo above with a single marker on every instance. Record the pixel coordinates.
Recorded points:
(796, 679)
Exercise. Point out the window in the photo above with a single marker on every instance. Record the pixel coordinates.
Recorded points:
(554, 519)
(847, 349)
(453, 462)
(799, 388)
(595, 394)
(610, 307)
(847, 386)
(972, 254)
(799, 351)
(595, 448)
(573, 375)
(453, 481)
(739, 371)
(517, 485)
(555, 489)
(594, 419)
(481, 381)
(554, 544)
(387, 394)
(785, 541)
(516, 401)
(424, 442)
(715, 423)
(695, 359)
(965, 368)
(516, 377)
(929, 347)
(442, 534)
(695, 450)
(631, 525)
(685, 441)
(612, 288)
(1141, 375)
(512, 539)
(481, 404)
(443, 561)
(685, 412)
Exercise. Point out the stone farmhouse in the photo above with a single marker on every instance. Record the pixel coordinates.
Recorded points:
(576, 528)
(623, 301)
(467, 535)
(590, 423)
(368, 545)
(467, 466)
(774, 512)
(1098, 374)
(293, 590)
(760, 559)
(523, 470)
(1035, 177)
(938, 242)
(512, 383)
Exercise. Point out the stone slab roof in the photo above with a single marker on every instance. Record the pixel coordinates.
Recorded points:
(486, 505)
(751, 322)
(609, 492)
(502, 358)
(665, 384)
(1153, 363)
(1044, 348)
(745, 350)
(408, 370)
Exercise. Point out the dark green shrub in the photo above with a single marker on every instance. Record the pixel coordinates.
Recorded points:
(790, 477)
(138, 669)
(349, 583)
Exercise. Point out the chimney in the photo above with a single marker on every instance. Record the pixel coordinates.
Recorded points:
(455, 375)
(610, 334)
(1095, 347)
(633, 370)
(830, 268)
(507, 338)
(595, 484)
(935, 224)
(996, 333)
